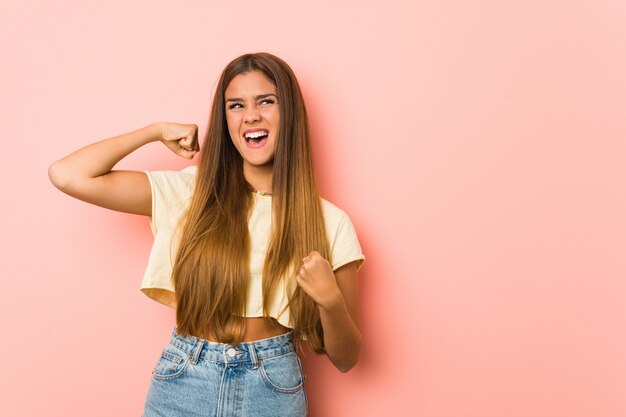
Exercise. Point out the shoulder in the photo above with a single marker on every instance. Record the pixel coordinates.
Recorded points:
(173, 182)
(332, 213)
(334, 216)
(190, 170)
(186, 175)
(171, 193)
(342, 236)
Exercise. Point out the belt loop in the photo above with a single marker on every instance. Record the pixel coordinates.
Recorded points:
(196, 352)
(253, 357)
(225, 347)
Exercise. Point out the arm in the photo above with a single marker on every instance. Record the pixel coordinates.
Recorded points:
(340, 320)
(86, 173)
(336, 295)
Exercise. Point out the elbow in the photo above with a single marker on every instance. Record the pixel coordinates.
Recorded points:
(345, 368)
(348, 363)
(58, 176)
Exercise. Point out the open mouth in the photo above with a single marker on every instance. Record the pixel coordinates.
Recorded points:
(256, 137)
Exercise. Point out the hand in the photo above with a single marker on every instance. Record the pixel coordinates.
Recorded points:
(182, 139)
(317, 279)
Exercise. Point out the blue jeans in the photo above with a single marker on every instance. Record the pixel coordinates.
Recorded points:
(195, 377)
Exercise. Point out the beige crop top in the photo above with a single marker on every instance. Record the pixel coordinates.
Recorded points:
(171, 193)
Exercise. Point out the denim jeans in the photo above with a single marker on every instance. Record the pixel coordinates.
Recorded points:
(195, 377)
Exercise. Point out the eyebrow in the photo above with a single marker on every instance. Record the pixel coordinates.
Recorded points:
(260, 96)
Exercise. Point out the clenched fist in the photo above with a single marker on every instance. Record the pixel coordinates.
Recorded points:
(317, 279)
(182, 139)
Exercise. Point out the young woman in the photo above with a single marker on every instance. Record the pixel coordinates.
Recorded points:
(245, 250)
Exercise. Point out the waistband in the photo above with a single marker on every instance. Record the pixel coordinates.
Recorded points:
(200, 349)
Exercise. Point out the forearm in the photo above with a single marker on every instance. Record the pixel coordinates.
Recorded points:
(342, 338)
(100, 157)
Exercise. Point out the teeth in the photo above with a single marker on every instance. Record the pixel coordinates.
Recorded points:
(254, 135)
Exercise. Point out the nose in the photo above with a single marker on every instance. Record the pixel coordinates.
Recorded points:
(252, 114)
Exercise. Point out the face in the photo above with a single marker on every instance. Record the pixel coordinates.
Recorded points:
(253, 117)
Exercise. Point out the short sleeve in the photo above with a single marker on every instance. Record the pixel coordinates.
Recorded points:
(345, 246)
(171, 192)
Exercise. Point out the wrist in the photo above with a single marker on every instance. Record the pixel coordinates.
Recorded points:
(155, 131)
(333, 301)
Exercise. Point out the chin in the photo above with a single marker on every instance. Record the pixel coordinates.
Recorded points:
(260, 161)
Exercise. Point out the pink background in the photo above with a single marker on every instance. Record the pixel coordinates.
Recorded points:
(478, 148)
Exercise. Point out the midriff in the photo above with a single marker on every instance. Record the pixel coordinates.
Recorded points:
(258, 328)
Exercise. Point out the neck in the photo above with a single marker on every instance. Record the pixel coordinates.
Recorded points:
(259, 177)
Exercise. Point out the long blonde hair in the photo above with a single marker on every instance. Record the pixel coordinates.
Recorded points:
(212, 268)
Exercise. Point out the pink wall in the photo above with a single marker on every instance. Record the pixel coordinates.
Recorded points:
(478, 148)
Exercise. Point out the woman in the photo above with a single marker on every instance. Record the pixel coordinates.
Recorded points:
(245, 250)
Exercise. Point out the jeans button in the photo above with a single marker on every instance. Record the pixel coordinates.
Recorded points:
(231, 352)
